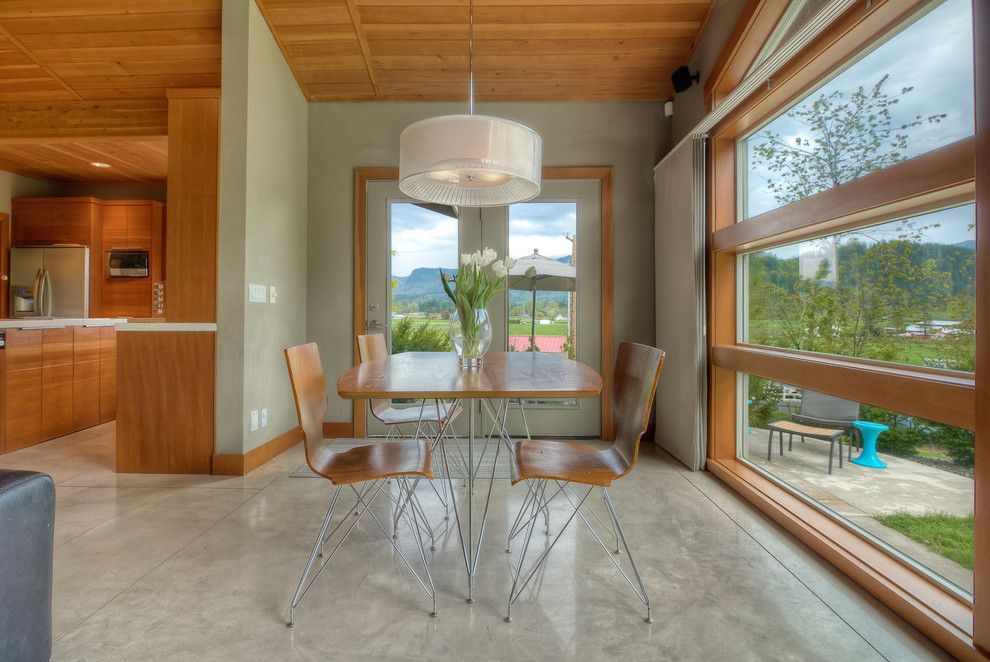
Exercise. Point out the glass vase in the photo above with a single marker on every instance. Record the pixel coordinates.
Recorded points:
(471, 336)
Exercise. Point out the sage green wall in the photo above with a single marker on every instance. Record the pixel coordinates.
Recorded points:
(262, 229)
(689, 106)
(342, 136)
(16, 186)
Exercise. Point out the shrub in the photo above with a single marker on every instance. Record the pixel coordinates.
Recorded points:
(408, 336)
(765, 396)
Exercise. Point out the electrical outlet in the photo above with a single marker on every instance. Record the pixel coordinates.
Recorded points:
(254, 420)
(264, 418)
(257, 293)
(272, 294)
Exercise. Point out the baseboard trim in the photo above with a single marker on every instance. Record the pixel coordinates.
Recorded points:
(233, 464)
(337, 430)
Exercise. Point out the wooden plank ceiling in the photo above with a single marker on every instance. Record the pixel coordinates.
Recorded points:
(98, 67)
(361, 50)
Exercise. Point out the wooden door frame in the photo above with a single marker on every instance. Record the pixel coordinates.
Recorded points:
(5, 264)
(363, 176)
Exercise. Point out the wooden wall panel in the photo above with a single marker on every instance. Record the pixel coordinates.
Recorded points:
(166, 402)
(85, 377)
(108, 374)
(22, 401)
(4, 268)
(191, 231)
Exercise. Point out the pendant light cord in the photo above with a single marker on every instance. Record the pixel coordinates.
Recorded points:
(471, 57)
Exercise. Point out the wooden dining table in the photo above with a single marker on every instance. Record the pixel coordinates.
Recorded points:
(439, 377)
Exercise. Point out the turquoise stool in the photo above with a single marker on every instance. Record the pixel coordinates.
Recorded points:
(869, 431)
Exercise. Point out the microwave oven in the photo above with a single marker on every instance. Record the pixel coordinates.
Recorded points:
(128, 263)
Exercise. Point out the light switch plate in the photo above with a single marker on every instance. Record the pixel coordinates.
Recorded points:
(272, 294)
(264, 418)
(257, 293)
(254, 420)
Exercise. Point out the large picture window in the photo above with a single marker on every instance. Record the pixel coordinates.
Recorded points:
(845, 303)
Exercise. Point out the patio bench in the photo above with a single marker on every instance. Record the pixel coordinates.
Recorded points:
(792, 428)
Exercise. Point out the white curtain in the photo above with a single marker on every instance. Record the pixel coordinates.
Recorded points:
(680, 302)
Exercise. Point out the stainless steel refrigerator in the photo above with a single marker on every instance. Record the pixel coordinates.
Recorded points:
(49, 281)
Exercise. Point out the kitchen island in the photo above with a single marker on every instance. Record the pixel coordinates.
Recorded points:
(58, 376)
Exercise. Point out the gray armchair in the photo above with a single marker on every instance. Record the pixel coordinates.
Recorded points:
(828, 411)
(27, 526)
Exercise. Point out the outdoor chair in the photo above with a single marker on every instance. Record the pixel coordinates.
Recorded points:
(373, 464)
(565, 463)
(821, 416)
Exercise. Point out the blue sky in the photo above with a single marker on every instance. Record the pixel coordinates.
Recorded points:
(934, 56)
(423, 238)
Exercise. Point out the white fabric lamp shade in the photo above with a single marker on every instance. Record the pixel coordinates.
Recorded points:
(470, 161)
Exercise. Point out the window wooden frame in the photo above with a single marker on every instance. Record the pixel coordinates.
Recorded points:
(933, 180)
(603, 174)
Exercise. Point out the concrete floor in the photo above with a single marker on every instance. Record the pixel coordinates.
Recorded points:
(151, 567)
(858, 493)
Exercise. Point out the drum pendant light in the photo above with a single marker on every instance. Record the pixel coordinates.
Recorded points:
(470, 160)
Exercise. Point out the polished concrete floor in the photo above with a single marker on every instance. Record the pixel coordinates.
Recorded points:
(154, 567)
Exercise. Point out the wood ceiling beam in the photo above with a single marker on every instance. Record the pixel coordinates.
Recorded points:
(79, 119)
(365, 49)
(34, 58)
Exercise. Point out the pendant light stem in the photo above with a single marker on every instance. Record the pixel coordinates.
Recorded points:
(471, 57)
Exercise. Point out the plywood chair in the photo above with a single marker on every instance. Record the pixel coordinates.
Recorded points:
(373, 464)
(567, 463)
(372, 347)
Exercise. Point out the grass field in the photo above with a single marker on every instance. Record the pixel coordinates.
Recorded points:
(947, 535)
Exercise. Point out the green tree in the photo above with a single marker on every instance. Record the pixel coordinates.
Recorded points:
(410, 336)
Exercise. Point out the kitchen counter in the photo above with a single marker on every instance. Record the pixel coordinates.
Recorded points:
(59, 323)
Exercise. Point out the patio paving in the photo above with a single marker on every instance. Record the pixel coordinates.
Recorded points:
(858, 493)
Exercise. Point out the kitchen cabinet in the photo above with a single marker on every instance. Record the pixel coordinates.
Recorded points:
(133, 224)
(47, 221)
(86, 377)
(56, 381)
(130, 223)
(22, 388)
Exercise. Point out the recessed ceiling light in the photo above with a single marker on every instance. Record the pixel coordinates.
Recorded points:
(100, 164)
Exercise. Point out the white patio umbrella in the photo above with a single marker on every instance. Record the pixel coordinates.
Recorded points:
(537, 273)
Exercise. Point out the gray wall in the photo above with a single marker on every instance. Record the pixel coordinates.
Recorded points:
(689, 106)
(262, 229)
(626, 135)
(16, 186)
(121, 192)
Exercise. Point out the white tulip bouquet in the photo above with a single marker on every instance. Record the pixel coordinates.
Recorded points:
(481, 276)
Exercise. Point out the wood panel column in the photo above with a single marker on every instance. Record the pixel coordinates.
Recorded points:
(166, 370)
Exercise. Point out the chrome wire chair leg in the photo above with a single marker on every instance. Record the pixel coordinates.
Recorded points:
(615, 532)
(641, 594)
(515, 592)
(317, 546)
(430, 591)
(422, 551)
(522, 557)
(326, 538)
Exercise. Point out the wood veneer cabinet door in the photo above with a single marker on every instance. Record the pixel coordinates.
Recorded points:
(108, 374)
(85, 377)
(56, 382)
(139, 226)
(71, 222)
(22, 389)
(31, 223)
(114, 226)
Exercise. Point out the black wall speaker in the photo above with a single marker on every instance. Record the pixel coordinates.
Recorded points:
(683, 79)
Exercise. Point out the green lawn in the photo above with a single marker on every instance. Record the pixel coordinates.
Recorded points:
(944, 534)
(516, 328)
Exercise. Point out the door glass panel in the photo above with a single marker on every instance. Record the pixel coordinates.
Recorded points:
(914, 494)
(421, 243)
(911, 94)
(900, 291)
(543, 284)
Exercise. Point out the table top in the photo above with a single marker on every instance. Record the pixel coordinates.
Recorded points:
(440, 375)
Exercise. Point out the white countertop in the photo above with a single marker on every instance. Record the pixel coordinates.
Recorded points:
(59, 323)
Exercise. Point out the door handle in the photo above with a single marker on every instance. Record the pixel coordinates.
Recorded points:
(372, 324)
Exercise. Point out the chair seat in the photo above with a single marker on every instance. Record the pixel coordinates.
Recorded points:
(396, 416)
(806, 430)
(408, 457)
(568, 460)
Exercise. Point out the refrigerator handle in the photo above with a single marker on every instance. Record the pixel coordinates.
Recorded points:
(38, 291)
(48, 296)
